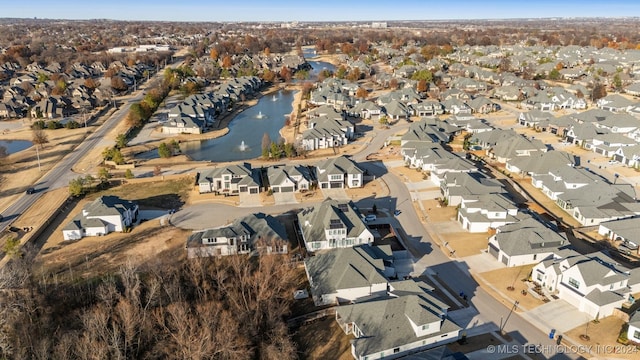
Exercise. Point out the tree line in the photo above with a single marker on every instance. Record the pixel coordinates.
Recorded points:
(207, 308)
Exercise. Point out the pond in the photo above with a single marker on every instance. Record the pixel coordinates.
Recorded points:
(8, 147)
(246, 130)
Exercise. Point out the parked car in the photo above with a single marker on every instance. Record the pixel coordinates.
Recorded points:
(397, 212)
(629, 245)
(30, 190)
(370, 217)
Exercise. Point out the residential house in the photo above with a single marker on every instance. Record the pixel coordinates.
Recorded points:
(349, 274)
(525, 242)
(595, 284)
(628, 155)
(480, 213)
(326, 133)
(104, 215)
(633, 330)
(289, 178)
(615, 103)
(231, 179)
(337, 173)
(430, 130)
(333, 224)
(540, 163)
(516, 146)
(252, 234)
(410, 319)
(533, 118)
(456, 186)
(624, 231)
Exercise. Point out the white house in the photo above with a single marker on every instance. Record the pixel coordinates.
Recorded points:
(333, 224)
(104, 215)
(594, 283)
(525, 242)
(633, 332)
(479, 213)
(339, 173)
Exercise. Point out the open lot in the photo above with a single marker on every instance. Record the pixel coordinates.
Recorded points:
(502, 279)
(603, 336)
(465, 243)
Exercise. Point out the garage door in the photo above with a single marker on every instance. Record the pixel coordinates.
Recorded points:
(286, 189)
(275, 189)
(505, 260)
(323, 185)
(336, 185)
(242, 189)
(493, 250)
(617, 157)
(253, 191)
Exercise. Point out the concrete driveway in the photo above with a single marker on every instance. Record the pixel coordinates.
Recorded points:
(249, 200)
(285, 198)
(335, 194)
(557, 314)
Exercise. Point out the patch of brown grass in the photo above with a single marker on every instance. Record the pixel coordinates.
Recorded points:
(323, 339)
(466, 244)
(502, 279)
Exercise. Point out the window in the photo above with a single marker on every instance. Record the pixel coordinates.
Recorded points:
(535, 256)
(574, 283)
(396, 350)
(636, 334)
(425, 327)
(539, 277)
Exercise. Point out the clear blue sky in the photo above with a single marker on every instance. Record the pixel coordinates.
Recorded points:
(314, 10)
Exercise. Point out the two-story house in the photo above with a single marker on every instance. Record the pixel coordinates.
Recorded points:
(338, 173)
(104, 215)
(252, 234)
(333, 224)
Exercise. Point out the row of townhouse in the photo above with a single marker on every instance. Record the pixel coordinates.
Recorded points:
(198, 112)
(340, 172)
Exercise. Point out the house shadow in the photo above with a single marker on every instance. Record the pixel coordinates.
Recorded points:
(165, 201)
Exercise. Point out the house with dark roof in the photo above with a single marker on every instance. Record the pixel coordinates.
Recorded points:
(333, 224)
(252, 234)
(349, 274)
(103, 215)
(525, 242)
(409, 319)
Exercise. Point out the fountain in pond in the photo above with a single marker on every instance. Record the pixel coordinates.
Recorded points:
(274, 98)
(243, 146)
(260, 115)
